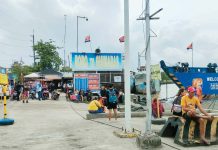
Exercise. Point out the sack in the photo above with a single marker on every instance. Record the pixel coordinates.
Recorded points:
(112, 96)
(177, 108)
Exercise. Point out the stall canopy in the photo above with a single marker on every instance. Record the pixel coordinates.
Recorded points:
(33, 75)
(50, 74)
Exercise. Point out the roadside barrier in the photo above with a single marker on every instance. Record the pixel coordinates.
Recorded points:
(5, 120)
(186, 132)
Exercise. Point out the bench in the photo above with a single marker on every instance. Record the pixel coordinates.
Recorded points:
(187, 133)
(119, 115)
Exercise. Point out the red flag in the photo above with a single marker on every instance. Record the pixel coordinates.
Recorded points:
(87, 39)
(190, 46)
(122, 39)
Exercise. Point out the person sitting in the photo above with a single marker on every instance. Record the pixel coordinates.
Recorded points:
(95, 106)
(188, 103)
(155, 109)
(176, 107)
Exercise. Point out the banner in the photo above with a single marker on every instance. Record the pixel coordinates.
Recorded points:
(3, 79)
(90, 81)
(155, 72)
(96, 62)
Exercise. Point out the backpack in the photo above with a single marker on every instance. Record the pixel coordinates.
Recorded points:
(112, 96)
(177, 108)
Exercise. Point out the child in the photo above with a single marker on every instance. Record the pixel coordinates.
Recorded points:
(25, 95)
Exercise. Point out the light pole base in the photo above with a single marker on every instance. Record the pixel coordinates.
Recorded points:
(148, 140)
(123, 134)
(6, 121)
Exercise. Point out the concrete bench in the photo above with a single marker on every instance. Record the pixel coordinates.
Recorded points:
(119, 115)
(187, 133)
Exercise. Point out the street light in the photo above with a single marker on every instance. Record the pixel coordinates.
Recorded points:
(77, 31)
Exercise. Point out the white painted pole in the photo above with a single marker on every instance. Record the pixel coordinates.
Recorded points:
(127, 68)
(148, 69)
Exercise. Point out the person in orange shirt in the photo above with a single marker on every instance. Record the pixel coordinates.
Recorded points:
(188, 104)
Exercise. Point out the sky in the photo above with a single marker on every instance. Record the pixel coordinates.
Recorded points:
(181, 23)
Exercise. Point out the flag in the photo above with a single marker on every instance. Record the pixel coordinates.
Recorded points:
(190, 46)
(87, 39)
(122, 39)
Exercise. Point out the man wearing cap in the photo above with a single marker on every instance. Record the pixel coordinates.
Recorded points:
(188, 104)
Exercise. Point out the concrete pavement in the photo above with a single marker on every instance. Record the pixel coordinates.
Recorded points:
(60, 125)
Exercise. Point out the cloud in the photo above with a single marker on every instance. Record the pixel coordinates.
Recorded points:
(175, 29)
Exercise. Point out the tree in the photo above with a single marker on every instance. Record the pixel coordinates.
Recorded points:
(66, 69)
(165, 78)
(21, 70)
(48, 56)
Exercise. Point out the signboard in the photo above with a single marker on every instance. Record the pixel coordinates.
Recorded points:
(90, 81)
(93, 82)
(96, 62)
(117, 78)
(3, 76)
(155, 72)
(207, 82)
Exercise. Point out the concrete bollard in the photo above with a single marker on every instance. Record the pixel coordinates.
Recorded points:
(148, 141)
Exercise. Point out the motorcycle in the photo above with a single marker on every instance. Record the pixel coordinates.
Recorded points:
(32, 94)
(45, 94)
(15, 95)
(55, 95)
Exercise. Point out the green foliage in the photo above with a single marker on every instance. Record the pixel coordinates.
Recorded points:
(66, 69)
(164, 76)
(48, 56)
(20, 70)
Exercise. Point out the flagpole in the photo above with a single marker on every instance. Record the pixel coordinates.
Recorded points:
(192, 55)
(90, 46)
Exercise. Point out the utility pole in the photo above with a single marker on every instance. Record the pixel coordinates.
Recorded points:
(127, 68)
(77, 31)
(69, 61)
(148, 135)
(65, 18)
(148, 69)
(34, 54)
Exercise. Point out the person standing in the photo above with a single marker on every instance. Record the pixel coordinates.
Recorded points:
(103, 94)
(112, 101)
(18, 89)
(39, 90)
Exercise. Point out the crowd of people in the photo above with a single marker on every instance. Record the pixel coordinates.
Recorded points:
(33, 90)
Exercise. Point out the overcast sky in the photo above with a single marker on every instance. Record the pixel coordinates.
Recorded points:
(181, 22)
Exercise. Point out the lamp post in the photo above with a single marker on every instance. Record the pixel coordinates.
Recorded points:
(77, 45)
